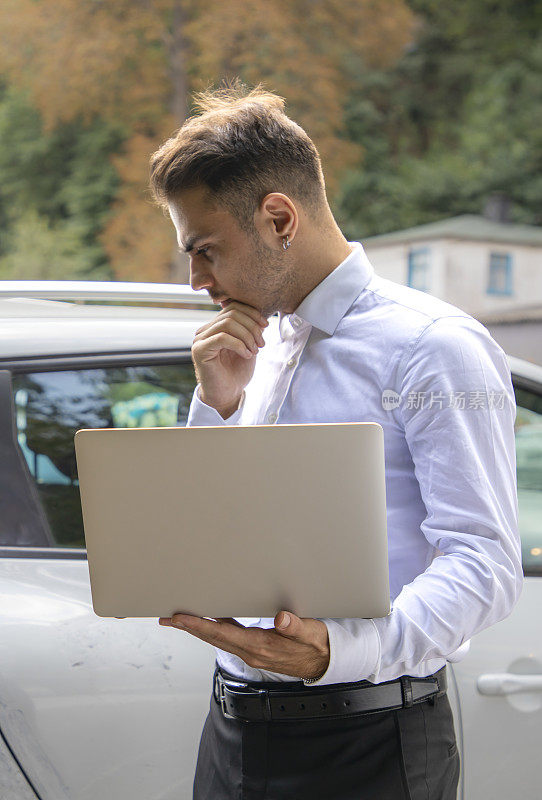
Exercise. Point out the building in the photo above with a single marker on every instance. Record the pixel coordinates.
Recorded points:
(490, 268)
(481, 265)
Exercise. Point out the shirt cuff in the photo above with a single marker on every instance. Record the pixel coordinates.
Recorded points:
(460, 653)
(201, 415)
(354, 646)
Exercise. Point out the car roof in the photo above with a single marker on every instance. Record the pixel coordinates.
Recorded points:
(525, 369)
(46, 328)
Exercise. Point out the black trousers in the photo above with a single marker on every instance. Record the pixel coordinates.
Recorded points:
(409, 754)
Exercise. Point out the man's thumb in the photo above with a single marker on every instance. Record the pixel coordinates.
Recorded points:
(288, 624)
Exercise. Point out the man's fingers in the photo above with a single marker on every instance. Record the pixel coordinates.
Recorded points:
(249, 333)
(228, 635)
(231, 620)
(208, 349)
(249, 311)
(252, 645)
(237, 324)
(303, 630)
(167, 621)
(246, 315)
(287, 624)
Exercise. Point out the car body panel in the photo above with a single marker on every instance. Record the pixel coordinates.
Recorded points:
(525, 369)
(96, 707)
(502, 735)
(92, 335)
(13, 783)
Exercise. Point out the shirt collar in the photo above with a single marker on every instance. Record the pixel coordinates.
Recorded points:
(326, 305)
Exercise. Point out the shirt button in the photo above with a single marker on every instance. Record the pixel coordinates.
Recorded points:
(296, 322)
(272, 418)
(291, 363)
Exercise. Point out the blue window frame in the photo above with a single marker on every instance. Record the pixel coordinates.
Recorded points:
(500, 274)
(418, 268)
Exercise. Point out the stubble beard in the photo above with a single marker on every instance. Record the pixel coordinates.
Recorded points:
(276, 278)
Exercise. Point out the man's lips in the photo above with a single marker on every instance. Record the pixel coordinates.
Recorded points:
(223, 302)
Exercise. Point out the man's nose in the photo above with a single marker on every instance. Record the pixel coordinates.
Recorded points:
(200, 278)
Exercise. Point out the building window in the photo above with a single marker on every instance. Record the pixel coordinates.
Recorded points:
(418, 268)
(500, 274)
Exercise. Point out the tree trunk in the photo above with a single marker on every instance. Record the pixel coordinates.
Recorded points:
(177, 56)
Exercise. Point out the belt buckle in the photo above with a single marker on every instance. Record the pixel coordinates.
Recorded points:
(222, 700)
(221, 695)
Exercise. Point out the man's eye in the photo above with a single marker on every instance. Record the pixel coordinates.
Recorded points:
(201, 251)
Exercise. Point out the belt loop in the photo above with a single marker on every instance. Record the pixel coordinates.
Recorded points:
(407, 691)
(266, 704)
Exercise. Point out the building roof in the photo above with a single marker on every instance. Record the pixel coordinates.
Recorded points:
(511, 315)
(473, 227)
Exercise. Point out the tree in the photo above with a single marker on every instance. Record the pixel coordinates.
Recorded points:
(39, 250)
(457, 118)
(55, 192)
(108, 62)
(132, 62)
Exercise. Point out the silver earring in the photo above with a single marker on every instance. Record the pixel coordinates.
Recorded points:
(285, 243)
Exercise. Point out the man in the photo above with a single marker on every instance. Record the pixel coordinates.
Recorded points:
(245, 191)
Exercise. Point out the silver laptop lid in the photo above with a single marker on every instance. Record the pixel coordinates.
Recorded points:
(236, 521)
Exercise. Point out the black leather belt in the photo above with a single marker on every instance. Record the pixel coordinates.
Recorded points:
(247, 702)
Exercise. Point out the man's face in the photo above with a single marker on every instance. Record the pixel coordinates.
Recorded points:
(228, 262)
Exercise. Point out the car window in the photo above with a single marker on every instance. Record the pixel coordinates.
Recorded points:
(52, 406)
(528, 428)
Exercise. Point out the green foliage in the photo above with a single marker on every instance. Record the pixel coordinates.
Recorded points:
(40, 250)
(55, 193)
(458, 118)
(455, 119)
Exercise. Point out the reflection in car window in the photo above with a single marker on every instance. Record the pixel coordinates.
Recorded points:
(528, 429)
(52, 406)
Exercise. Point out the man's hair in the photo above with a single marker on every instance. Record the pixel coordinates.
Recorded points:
(240, 147)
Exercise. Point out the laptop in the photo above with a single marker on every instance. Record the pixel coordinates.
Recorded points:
(235, 521)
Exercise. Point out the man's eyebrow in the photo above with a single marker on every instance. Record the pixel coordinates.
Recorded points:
(190, 243)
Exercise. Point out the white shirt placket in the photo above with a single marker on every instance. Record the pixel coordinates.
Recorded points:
(294, 333)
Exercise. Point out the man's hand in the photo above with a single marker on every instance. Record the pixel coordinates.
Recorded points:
(295, 646)
(224, 354)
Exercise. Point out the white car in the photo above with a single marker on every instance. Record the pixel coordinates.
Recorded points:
(113, 709)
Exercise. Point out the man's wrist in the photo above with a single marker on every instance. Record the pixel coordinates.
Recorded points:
(323, 665)
(226, 410)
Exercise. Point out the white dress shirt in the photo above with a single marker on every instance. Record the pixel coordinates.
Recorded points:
(448, 419)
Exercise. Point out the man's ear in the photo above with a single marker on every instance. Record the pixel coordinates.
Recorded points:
(277, 217)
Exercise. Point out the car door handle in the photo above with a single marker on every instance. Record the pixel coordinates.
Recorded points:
(502, 683)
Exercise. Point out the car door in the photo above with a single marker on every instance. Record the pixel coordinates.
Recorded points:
(90, 707)
(500, 680)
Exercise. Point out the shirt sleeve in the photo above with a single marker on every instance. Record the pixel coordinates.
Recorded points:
(464, 460)
(202, 415)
